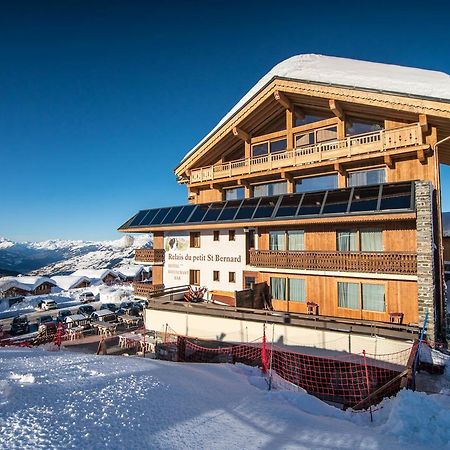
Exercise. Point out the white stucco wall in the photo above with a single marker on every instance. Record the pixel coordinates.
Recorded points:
(212, 255)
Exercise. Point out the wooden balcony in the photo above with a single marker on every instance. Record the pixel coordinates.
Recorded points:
(149, 256)
(379, 141)
(142, 290)
(400, 263)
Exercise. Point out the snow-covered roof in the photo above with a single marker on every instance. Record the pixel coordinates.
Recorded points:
(67, 282)
(129, 271)
(75, 317)
(94, 274)
(352, 73)
(23, 282)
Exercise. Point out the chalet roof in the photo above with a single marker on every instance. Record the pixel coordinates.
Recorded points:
(67, 282)
(129, 271)
(362, 200)
(25, 283)
(94, 274)
(351, 73)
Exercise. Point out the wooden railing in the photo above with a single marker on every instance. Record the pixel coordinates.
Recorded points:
(383, 140)
(145, 289)
(149, 256)
(372, 262)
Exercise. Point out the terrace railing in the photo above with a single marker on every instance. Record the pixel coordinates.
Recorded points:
(371, 262)
(378, 141)
(149, 256)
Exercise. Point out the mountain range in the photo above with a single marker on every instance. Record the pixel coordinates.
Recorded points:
(61, 257)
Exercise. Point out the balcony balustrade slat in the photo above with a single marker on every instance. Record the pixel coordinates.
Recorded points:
(370, 262)
(383, 140)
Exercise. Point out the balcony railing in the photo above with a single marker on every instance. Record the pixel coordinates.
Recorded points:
(149, 256)
(383, 140)
(144, 289)
(371, 262)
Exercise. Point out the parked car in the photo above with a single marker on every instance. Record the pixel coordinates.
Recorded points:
(47, 305)
(86, 297)
(62, 314)
(20, 325)
(46, 324)
(104, 315)
(143, 303)
(85, 310)
(110, 306)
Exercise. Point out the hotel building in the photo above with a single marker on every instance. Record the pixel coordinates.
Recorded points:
(322, 182)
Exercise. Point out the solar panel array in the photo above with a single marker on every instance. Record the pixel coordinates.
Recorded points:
(380, 198)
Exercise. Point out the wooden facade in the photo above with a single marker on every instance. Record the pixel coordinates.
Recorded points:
(293, 132)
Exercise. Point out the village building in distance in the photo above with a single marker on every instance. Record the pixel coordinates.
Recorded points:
(322, 184)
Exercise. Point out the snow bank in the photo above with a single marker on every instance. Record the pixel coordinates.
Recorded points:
(71, 400)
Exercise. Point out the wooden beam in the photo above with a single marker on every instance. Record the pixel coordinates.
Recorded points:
(423, 121)
(340, 169)
(336, 109)
(286, 176)
(283, 100)
(421, 156)
(241, 134)
(389, 161)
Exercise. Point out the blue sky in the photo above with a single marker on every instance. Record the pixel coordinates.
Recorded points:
(101, 99)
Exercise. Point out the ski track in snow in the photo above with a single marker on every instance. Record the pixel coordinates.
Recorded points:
(56, 400)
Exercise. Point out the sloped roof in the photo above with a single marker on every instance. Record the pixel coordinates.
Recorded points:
(129, 270)
(67, 282)
(351, 73)
(94, 274)
(23, 282)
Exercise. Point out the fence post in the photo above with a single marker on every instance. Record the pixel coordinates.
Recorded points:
(417, 358)
(368, 383)
(271, 357)
(165, 334)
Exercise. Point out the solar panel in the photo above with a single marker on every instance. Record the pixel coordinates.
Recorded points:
(137, 218)
(357, 200)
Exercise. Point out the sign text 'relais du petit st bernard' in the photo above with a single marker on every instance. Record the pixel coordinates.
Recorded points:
(204, 257)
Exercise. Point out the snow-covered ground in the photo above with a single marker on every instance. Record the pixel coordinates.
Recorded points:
(52, 400)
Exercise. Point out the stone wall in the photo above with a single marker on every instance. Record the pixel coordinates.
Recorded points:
(426, 273)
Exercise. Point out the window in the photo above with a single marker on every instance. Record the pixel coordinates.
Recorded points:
(265, 148)
(232, 277)
(234, 193)
(358, 126)
(317, 183)
(249, 282)
(277, 240)
(369, 297)
(346, 241)
(194, 239)
(304, 119)
(373, 298)
(216, 275)
(369, 240)
(278, 288)
(315, 137)
(194, 277)
(216, 235)
(231, 235)
(297, 290)
(365, 177)
(348, 295)
(268, 189)
(296, 240)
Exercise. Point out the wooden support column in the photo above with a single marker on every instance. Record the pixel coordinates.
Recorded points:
(289, 123)
(389, 162)
(342, 175)
(290, 182)
(291, 112)
(247, 188)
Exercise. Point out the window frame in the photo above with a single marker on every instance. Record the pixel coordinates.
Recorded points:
(216, 235)
(357, 232)
(194, 275)
(194, 239)
(231, 235)
(371, 169)
(231, 277)
(360, 307)
(216, 275)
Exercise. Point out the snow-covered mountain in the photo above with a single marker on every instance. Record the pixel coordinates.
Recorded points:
(60, 257)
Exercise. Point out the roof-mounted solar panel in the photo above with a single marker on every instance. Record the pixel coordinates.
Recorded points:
(199, 213)
(138, 218)
(213, 212)
(147, 220)
(230, 209)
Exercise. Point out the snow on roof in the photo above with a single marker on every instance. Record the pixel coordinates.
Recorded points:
(66, 282)
(129, 271)
(94, 274)
(22, 282)
(351, 73)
